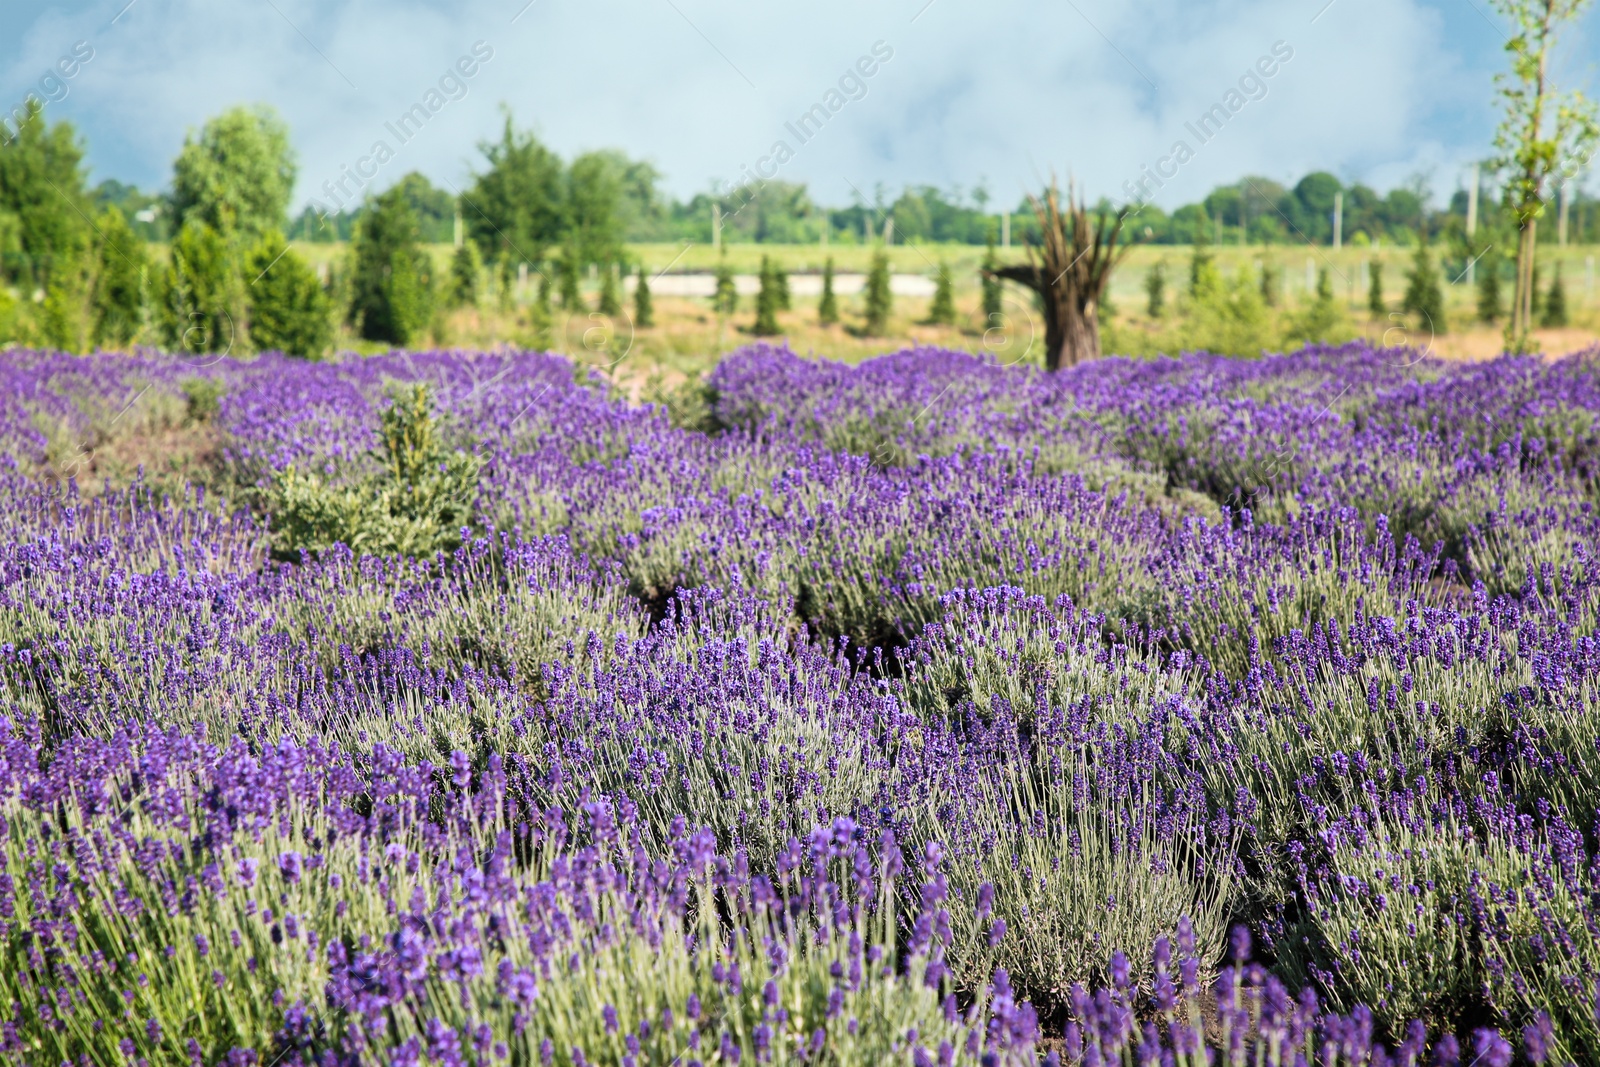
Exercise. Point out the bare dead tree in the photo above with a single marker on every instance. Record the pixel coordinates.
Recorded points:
(1069, 269)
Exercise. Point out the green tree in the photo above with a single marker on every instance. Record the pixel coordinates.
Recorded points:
(65, 317)
(644, 314)
(1424, 297)
(121, 299)
(1155, 290)
(10, 317)
(514, 209)
(991, 285)
(466, 266)
(434, 207)
(880, 302)
(543, 300)
(567, 271)
(610, 295)
(1555, 303)
(942, 312)
(1271, 284)
(1321, 318)
(1490, 306)
(203, 306)
(828, 306)
(1228, 317)
(415, 500)
(725, 301)
(594, 207)
(780, 284)
(237, 175)
(391, 288)
(1543, 134)
(1375, 302)
(289, 311)
(1203, 273)
(766, 302)
(505, 285)
(44, 209)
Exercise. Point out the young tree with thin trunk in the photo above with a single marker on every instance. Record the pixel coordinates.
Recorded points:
(880, 300)
(644, 313)
(1069, 269)
(828, 307)
(1545, 135)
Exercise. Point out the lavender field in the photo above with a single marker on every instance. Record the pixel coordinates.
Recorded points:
(925, 711)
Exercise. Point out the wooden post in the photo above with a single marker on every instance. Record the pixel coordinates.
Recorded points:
(1338, 221)
(1311, 274)
(1005, 229)
(460, 233)
(716, 226)
(888, 230)
(1561, 219)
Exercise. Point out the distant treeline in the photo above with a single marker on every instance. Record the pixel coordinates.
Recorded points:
(1253, 210)
(624, 201)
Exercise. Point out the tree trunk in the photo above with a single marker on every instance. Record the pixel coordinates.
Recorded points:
(1080, 341)
(1070, 270)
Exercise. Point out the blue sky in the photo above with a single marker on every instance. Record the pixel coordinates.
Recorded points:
(999, 91)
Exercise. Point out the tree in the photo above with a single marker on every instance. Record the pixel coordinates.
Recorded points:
(10, 317)
(725, 301)
(466, 265)
(780, 285)
(391, 297)
(1069, 269)
(514, 209)
(610, 299)
(1555, 303)
(202, 300)
(828, 307)
(543, 301)
(434, 207)
(1310, 206)
(1542, 134)
(121, 298)
(766, 324)
(1489, 305)
(1271, 284)
(1375, 301)
(43, 206)
(942, 312)
(1321, 316)
(1203, 272)
(567, 271)
(505, 287)
(880, 302)
(643, 310)
(289, 311)
(594, 208)
(991, 285)
(237, 175)
(1155, 289)
(1424, 298)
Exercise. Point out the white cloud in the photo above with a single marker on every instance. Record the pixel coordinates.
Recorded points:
(1004, 90)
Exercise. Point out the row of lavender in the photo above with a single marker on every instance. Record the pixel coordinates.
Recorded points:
(1108, 657)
